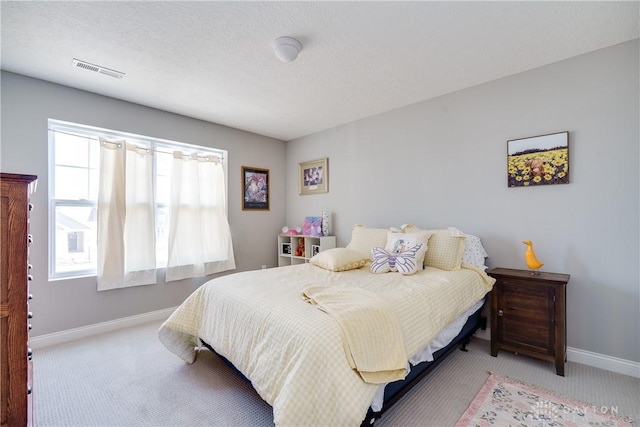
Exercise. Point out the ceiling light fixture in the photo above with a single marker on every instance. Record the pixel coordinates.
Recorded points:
(287, 49)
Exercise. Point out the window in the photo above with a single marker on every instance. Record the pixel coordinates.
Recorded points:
(74, 181)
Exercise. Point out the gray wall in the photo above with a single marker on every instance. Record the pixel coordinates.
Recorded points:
(442, 163)
(60, 305)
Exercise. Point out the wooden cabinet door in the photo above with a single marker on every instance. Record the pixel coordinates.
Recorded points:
(526, 315)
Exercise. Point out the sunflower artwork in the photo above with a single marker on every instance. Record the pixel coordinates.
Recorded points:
(538, 160)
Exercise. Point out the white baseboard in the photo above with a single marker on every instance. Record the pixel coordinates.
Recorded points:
(596, 360)
(609, 363)
(98, 328)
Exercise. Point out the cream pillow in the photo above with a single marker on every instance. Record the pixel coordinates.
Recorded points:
(339, 259)
(446, 247)
(364, 239)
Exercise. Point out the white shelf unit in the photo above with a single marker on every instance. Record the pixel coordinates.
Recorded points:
(288, 246)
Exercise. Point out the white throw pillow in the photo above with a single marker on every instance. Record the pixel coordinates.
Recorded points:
(474, 252)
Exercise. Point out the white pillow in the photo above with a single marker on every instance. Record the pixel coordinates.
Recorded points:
(406, 262)
(474, 252)
(339, 259)
(363, 239)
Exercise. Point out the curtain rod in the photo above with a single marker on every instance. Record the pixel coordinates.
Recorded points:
(95, 138)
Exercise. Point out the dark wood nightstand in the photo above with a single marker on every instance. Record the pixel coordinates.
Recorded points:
(528, 314)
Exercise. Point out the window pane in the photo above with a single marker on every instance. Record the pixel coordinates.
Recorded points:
(163, 173)
(94, 181)
(162, 189)
(162, 235)
(75, 238)
(94, 153)
(163, 163)
(71, 183)
(71, 150)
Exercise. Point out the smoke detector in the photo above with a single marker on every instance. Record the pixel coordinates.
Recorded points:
(287, 48)
(98, 69)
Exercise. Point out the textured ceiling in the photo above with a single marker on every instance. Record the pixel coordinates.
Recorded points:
(214, 60)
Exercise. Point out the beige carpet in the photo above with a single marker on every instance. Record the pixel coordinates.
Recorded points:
(127, 378)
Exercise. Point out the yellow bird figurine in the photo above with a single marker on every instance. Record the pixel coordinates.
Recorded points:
(532, 261)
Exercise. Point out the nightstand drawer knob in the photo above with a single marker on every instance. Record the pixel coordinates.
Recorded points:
(500, 313)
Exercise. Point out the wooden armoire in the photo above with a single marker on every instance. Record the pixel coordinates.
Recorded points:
(15, 355)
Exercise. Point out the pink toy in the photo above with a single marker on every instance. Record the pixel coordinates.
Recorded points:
(291, 231)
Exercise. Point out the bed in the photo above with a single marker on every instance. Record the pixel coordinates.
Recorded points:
(300, 358)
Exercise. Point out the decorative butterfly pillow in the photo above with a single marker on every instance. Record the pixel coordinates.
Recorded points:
(407, 262)
(399, 242)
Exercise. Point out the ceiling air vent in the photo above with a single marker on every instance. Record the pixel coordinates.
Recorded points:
(97, 69)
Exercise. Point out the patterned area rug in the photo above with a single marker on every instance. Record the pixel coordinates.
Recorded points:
(506, 402)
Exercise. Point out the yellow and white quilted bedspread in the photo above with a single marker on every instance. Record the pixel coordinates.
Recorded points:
(292, 352)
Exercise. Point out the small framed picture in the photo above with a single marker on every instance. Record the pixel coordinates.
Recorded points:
(285, 248)
(315, 249)
(538, 160)
(313, 176)
(255, 189)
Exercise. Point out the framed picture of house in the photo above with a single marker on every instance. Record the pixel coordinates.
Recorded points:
(255, 189)
(538, 160)
(313, 176)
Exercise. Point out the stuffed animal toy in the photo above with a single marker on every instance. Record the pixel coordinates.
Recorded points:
(291, 231)
(300, 249)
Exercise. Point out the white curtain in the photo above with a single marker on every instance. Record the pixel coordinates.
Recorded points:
(199, 234)
(126, 225)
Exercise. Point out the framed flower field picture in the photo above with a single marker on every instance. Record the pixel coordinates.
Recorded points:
(538, 160)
